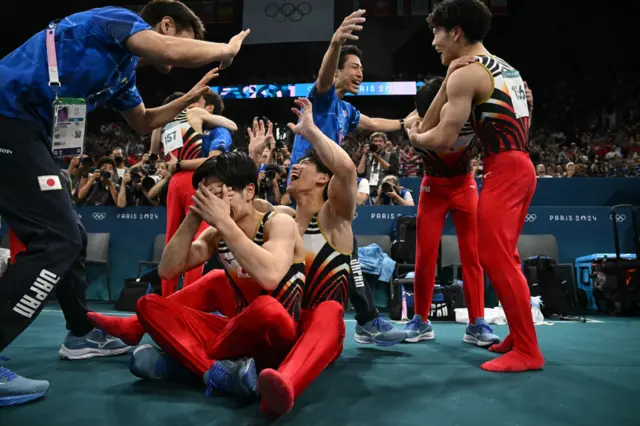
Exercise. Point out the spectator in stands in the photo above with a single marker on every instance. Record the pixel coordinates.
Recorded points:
(121, 168)
(100, 188)
(580, 171)
(272, 183)
(144, 187)
(477, 168)
(571, 170)
(378, 160)
(410, 162)
(362, 196)
(541, 171)
(78, 171)
(390, 193)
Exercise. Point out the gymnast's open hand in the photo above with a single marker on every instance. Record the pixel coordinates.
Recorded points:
(305, 116)
(213, 208)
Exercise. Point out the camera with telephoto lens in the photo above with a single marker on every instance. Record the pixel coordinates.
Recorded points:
(387, 187)
(149, 182)
(105, 174)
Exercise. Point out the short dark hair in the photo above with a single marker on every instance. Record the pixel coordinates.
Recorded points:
(212, 98)
(472, 16)
(348, 49)
(172, 97)
(106, 160)
(427, 93)
(234, 169)
(183, 17)
(313, 156)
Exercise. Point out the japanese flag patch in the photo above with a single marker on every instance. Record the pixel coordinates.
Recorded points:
(49, 183)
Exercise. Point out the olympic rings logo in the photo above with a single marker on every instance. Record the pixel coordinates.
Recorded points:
(99, 216)
(530, 218)
(619, 217)
(290, 11)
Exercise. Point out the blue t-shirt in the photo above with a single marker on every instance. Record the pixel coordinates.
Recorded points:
(333, 116)
(93, 63)
(217, 139)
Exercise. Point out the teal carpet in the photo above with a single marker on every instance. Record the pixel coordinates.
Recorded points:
(592, 377)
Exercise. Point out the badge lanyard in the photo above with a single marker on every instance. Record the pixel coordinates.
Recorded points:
(69, 114)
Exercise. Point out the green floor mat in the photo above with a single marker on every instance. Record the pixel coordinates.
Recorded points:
(592, 377)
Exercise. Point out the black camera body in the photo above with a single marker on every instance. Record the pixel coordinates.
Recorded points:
(271, 171)
(105, 174)
(387, 187)
(373, 148)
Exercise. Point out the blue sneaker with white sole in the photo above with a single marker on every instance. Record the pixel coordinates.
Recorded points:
(17, 390)
(379, 331)
(238, 377)
(480, 334)
(150, 363)
(95, 343)
(418, 329)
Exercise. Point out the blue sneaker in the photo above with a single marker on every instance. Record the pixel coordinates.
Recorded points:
(417, 330)
(17, 390)
(379, 331)
(480, 334)
(238, 377)
(95, 343)
(150, 363)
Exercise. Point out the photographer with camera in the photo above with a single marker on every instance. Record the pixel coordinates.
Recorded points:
(78, 172)
(390, 193)
(378, 160)
(121, 168)
(100, 188)
(144, 185)
(272, 183)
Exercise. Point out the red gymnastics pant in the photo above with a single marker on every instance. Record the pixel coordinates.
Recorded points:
(178, 201)
(458, 195)
(320, 343)
(264, 330)
(508, 187)
(210, 293)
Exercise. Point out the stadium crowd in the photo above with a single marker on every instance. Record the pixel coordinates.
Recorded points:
(574, 134)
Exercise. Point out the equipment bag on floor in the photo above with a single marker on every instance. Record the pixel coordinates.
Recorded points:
(617, 281)
(134, 289)
(544, 279)
(403, 249)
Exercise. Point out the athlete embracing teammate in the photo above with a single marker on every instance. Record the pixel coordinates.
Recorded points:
(494, 95)
(341, 73)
